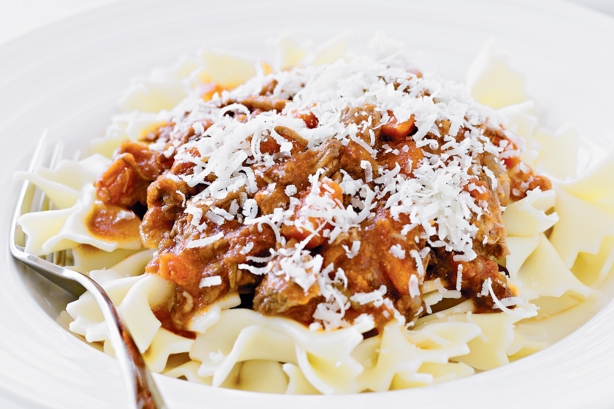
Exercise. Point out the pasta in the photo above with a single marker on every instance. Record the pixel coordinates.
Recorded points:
(203, 154)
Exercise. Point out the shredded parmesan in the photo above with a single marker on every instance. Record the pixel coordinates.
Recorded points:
(351, 253)
(414, 286)
(236, 173)
(419, 263)
(397, 251)
(459, 277)
(205, 242)
(519, 313)
(375, 297)
(290, 190)
(210, 281)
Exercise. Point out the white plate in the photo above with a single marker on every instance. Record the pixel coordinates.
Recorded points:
(66, 77)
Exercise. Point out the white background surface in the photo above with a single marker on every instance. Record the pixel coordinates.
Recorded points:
(42, 85)
(20, 16)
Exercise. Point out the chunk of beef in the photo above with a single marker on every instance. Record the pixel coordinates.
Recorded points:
(126, 180)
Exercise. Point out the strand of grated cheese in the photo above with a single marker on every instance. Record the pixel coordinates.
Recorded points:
(205, 242)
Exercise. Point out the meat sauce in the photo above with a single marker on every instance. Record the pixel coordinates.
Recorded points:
(113, 223)
(147, 182)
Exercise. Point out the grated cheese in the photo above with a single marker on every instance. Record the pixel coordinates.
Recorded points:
(375, 297)
(210, 281)
(290, 190)
(419, 263)
(397, 251)
(353, 252)
(414, 286)
(247, 248)
(366, 165)
(519, 313)
(459, 277)
(229, 158)
(204, 242)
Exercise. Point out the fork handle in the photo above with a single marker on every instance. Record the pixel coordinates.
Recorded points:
(139, 379)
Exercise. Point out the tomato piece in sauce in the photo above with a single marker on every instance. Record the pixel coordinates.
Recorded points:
(396, 130)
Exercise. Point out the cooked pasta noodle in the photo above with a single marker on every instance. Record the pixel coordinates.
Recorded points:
(291, 309)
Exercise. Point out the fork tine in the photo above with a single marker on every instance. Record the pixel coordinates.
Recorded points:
(24, 205)
(57, 257)
(39, 151)
(56, 156)
(26, 195)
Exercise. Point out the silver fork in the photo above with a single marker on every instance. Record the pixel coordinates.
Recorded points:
(138, 378)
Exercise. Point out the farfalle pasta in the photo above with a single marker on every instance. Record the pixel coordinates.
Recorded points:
(334, 225)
